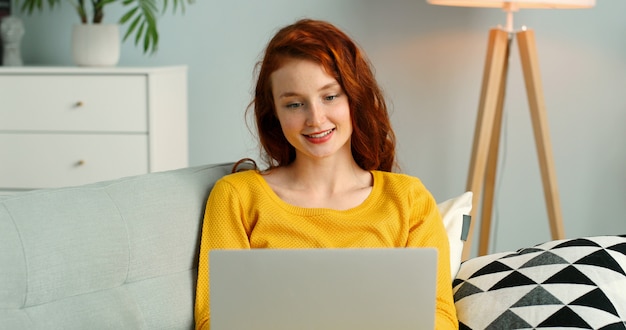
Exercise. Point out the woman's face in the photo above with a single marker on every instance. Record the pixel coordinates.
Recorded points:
(312, 108)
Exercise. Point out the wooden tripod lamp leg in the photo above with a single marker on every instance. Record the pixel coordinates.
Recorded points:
(492, 161)
(530, 67)
(490, 96)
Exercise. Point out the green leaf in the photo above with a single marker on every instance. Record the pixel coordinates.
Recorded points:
(128, 15)
(132, 27)
(139, 33)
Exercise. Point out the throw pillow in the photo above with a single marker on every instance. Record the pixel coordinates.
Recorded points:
(452, 212)
(573, 283)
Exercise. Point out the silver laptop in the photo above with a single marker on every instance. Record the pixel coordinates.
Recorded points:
(323, 289)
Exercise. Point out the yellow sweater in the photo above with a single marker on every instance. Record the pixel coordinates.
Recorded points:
(243, 212)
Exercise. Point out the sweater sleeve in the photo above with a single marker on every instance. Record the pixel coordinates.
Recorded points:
(427, 230)
(224, 227)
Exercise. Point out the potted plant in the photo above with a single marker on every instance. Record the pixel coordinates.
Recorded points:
(141, 18)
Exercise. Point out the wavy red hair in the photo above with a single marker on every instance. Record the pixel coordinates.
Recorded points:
(373, 140)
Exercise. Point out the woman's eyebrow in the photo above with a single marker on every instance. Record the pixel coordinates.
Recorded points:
(288, 94)
(329, 86)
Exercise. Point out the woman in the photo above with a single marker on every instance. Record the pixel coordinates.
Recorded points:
(326, 136)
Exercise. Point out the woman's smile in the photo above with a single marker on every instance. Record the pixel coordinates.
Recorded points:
(320, 137)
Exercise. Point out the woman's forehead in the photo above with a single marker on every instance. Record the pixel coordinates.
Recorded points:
(296, 75)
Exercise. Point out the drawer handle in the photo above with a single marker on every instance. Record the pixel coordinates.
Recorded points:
(80, 163)
(79, 104)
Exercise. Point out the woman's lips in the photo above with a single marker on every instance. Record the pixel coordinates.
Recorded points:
(320, 137)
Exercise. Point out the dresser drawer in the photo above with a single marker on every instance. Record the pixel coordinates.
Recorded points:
(99, 103)
(52, 160)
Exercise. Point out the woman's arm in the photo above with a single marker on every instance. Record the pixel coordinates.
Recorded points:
(427, 230)
(223, 228)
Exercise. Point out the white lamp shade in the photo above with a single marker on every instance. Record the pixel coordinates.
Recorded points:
(564, 4)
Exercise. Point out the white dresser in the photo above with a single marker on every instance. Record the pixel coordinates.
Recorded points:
(69, 126)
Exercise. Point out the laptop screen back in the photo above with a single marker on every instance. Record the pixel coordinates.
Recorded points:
(323, 289)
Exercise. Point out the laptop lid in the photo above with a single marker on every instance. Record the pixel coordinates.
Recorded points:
(361, 289)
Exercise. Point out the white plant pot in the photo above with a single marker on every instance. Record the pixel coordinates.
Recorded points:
(96, 44)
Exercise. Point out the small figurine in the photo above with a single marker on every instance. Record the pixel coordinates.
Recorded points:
(11, 32)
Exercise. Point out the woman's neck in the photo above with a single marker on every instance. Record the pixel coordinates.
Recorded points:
(330, 173)
(328, 183)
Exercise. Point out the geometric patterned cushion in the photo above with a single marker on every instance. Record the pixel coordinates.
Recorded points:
(571, 283)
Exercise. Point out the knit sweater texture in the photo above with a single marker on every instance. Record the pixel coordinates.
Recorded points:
(243, 212)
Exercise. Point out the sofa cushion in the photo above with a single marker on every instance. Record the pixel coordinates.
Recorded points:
(575, 283)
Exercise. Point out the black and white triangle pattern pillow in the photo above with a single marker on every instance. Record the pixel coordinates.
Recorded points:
(574, 283)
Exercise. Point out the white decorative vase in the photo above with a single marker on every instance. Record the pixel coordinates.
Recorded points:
(96, 44)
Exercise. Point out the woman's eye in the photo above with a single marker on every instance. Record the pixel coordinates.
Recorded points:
(331, 97)
(294, 105)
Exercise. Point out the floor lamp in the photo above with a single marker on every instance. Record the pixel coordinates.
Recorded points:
(482, 170)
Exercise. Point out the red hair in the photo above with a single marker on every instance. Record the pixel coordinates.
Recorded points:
(373, 140)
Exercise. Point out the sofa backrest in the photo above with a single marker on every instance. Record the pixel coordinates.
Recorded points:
(119, 254)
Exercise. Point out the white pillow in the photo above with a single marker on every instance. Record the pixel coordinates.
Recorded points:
(452, 212)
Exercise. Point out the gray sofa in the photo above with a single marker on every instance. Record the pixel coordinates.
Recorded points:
(122, 254)
(111, 255)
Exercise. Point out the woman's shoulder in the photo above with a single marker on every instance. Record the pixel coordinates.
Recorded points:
(243, 184)
(397, 179)
(241, 178)
(401, 185)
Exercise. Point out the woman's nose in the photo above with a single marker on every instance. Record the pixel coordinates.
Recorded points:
(315, 115)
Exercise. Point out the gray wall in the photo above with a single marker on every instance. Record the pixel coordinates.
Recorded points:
(429, 60)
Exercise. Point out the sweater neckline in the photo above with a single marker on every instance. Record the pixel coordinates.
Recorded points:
(311, 211)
